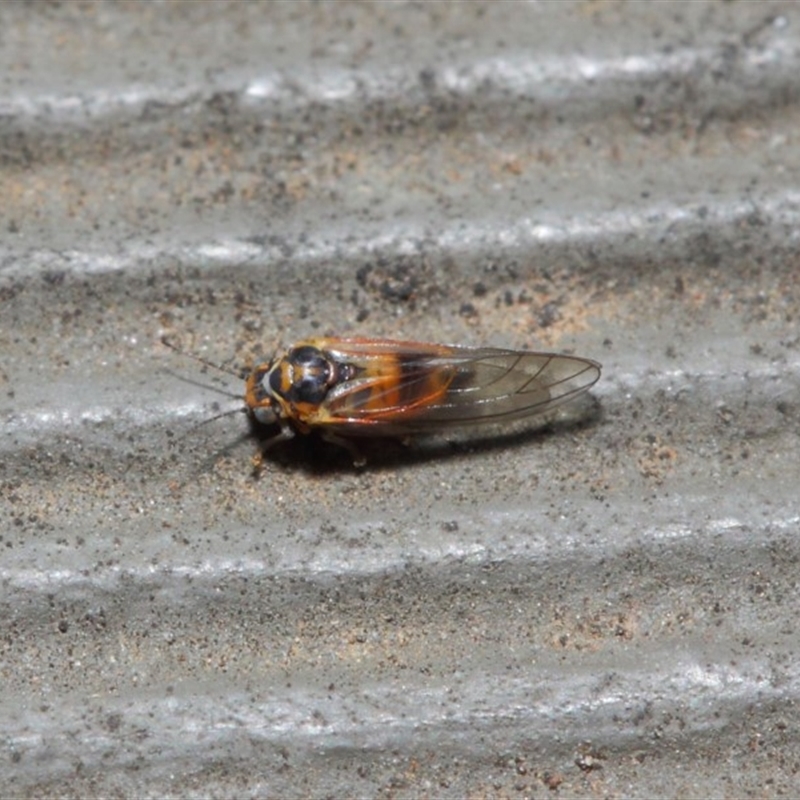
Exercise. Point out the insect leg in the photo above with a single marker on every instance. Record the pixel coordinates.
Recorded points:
(287, 432)
(359, 460)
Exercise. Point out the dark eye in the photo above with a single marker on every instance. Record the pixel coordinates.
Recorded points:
(274, 381)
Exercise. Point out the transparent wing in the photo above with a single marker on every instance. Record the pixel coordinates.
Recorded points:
(411, 387)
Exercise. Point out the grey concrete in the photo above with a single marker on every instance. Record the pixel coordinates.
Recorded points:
(603, 606)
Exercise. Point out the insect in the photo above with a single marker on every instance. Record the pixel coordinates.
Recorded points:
(349, 388)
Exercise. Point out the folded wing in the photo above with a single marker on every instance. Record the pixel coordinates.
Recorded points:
(418, 387)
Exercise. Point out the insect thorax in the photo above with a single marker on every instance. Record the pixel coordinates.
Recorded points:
(304, 375)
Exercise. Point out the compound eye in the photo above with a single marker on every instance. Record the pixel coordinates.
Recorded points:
(272, 382)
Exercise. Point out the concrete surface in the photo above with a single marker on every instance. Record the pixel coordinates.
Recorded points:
(605, 606)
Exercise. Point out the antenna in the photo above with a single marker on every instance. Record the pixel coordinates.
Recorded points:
(229, 413)
(204, 361)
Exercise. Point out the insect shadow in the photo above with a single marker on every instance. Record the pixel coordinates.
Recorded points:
(313, 455)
